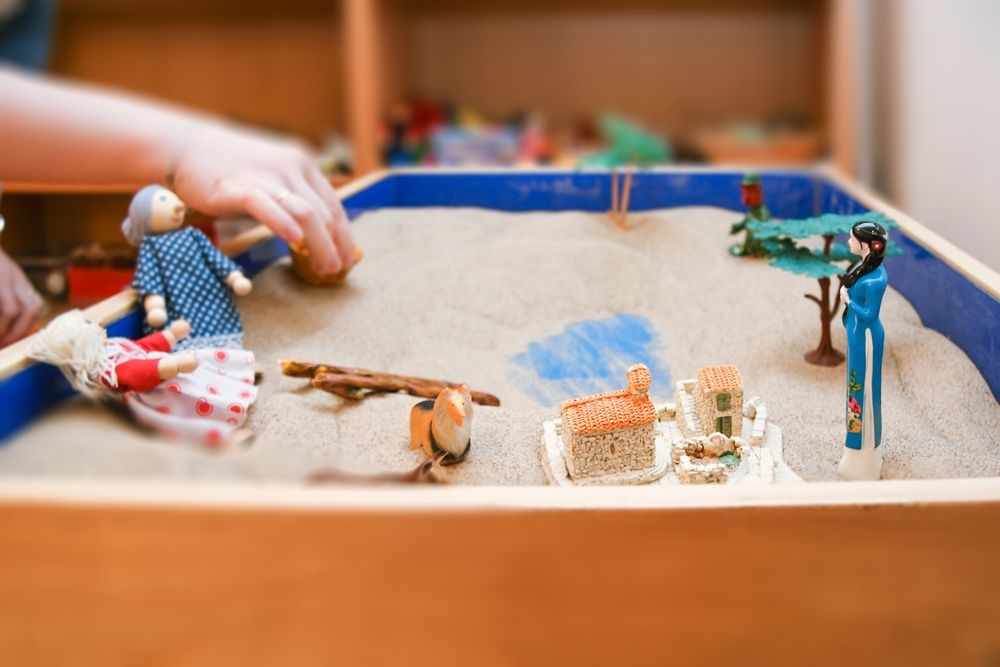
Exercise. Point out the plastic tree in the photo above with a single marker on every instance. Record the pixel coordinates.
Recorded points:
(753, 199)
(628, 145)
(781, 243)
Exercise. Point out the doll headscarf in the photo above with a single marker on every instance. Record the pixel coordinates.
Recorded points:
(140, 215)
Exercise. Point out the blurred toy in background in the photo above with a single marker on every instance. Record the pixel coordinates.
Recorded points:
(97, 272)
(752, 197)
(481, 147)
(535, 144)
(336, 158)
(443, 425)
(627, 146)
(408, 129)
(782, 139)
(781, 243)
(179, 273)
(201, 395)
(425, 132)
(862, 290)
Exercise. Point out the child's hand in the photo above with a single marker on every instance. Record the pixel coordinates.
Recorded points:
(225, 172)
(19, 303)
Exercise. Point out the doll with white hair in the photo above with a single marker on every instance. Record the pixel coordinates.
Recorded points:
(179, 274)
(201, 395)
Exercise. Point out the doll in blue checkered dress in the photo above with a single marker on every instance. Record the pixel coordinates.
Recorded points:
(180, 275)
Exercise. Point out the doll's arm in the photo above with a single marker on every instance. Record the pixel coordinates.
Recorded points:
(148, 283)
(164, 341)
(156, 310)
(865, 310)
(239, 283)
(226, 269)
(169, 367)
(144, 375)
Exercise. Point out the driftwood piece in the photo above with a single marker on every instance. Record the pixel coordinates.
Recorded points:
(356, 383)
(422, 474)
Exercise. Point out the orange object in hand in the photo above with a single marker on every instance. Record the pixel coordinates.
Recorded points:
(302, 270)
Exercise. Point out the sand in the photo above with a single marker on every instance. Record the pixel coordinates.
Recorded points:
(456, 293)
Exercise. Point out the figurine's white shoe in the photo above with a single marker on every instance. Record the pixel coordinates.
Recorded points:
(859, 465)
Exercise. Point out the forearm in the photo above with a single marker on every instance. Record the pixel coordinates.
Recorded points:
(866, 313)
(54, 131)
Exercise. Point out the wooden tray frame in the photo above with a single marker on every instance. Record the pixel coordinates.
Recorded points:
(115, 572)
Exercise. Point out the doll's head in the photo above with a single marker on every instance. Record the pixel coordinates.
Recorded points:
(868, 239)
(76, 346)
(154, 210)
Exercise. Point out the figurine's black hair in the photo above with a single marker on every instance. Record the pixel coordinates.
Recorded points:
(875, 237)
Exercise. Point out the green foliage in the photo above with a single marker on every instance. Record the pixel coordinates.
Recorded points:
(628, 143)
(855, 386)
(780, 242)
(828, 224)
(730, 460)
(806, 263)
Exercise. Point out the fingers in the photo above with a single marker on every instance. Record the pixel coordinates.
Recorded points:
(262, 207)
(340, 225)
(343, 247)
(19, 303)
(8, 310)
(323, 256)
(31, 306)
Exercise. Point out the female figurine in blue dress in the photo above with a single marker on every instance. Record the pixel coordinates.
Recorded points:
(180, 275)
(862, 291)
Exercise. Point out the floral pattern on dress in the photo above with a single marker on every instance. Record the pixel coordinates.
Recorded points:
(853, 407)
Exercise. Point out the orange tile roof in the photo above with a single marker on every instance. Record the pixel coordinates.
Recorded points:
(613, 410)
(639, 378)
(720, 378)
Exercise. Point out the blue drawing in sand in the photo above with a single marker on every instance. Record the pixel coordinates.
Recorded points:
(590, 357)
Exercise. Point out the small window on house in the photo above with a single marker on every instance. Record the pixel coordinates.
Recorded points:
(724, 425)
(723, 401)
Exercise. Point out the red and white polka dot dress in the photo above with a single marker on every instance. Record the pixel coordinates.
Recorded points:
(205, 405)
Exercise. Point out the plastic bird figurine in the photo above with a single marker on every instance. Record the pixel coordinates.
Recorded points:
(179, 273)
(753, 199)
(202, 395)
(862, 292)
(443, 425)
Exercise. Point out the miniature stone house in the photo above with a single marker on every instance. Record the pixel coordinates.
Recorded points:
(718, 400)
(611, 433)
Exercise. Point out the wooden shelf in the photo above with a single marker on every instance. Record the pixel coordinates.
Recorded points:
(70, 188)
(312, 67)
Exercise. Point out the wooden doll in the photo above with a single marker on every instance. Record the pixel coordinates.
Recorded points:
(862, 292)
(179, 274)
(443, 425)
(202, 395)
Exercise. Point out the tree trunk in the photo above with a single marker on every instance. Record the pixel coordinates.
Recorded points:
(825, 354)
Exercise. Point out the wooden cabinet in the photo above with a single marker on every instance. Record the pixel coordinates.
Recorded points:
(312, 67)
